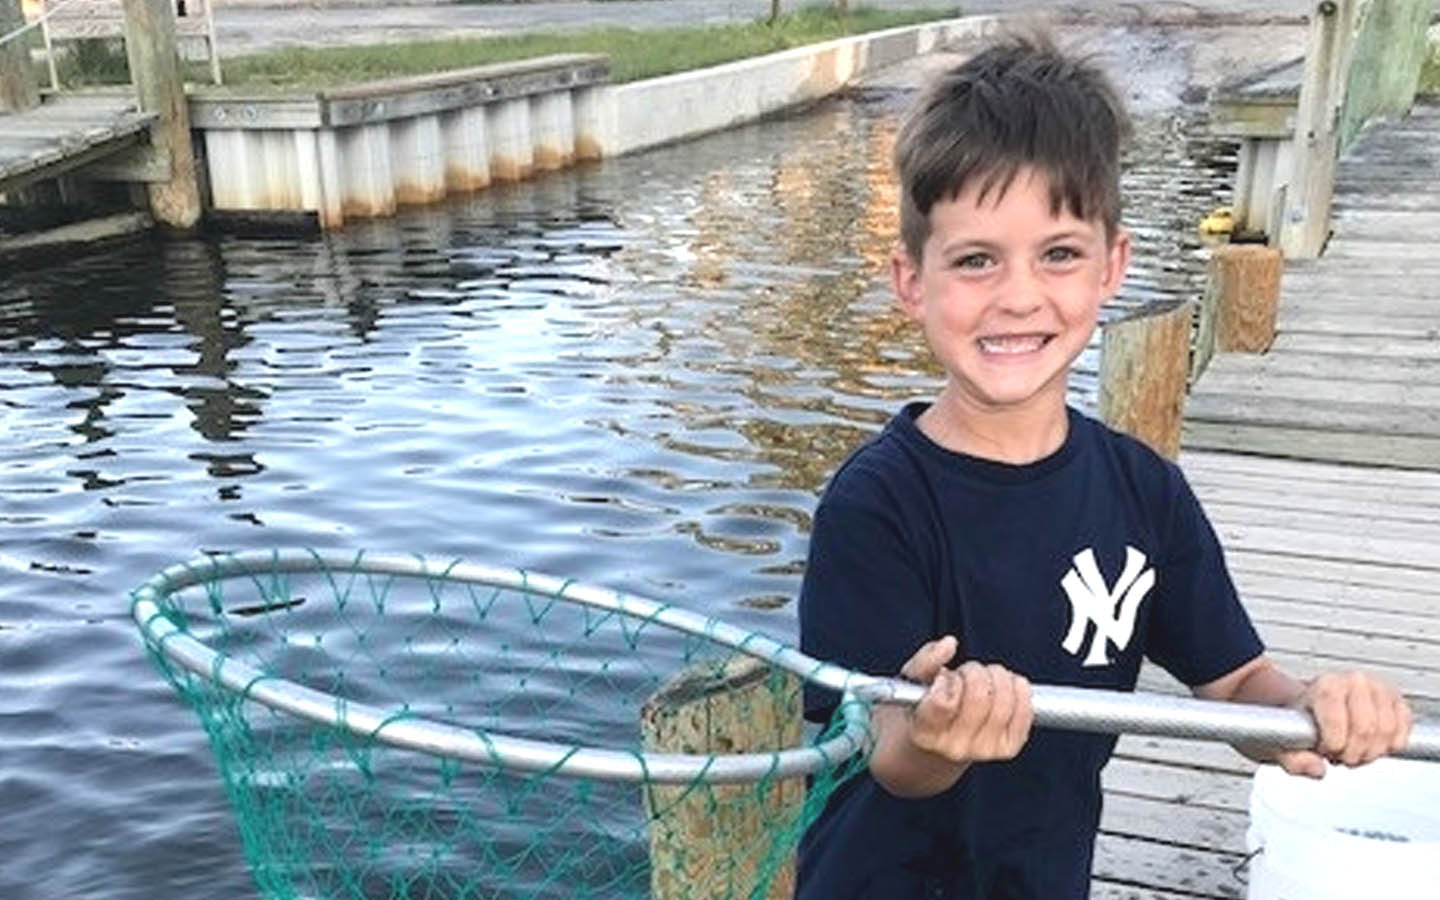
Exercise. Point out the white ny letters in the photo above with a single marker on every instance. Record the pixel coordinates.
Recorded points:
(1111, 611)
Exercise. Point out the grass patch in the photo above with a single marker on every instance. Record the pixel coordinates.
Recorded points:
(634, 53)
(1430, 72)
(93, 61)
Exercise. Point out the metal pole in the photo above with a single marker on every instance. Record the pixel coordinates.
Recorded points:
(18, 90)
(1115, 712)
(1072, 708)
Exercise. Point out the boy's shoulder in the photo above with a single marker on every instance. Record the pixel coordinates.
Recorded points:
(1135, 459)
(1154, 488)
(882, 465)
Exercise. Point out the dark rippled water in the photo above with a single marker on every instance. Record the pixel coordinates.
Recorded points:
(636, 374)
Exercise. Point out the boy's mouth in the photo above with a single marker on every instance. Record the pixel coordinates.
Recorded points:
(1013, 344)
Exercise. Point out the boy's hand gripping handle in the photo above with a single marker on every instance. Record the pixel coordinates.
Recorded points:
(1119, 712)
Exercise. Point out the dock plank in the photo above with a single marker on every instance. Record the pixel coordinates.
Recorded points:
(1284, 576)
(1411, 542)
(1113, 890)
(1194, 828)
(1359, 419)
(1303, 612)
(1338, 444)
(1157, 865)
(1273, 379)
(1306, 473)
(1392, 506)
(1205, 755)
(66, 133)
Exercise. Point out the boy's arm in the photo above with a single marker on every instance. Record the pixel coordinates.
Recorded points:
(1360, 718)
(970, 714)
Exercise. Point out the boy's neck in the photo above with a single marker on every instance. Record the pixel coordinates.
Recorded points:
(1017, 436)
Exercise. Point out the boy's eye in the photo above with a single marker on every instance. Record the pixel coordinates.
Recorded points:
(1061, 254)
(973, 261)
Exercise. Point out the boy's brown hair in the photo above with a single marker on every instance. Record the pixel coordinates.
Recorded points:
(1020, 103)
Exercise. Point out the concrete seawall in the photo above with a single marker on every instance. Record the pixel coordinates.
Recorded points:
(643, 114)
(366, 150)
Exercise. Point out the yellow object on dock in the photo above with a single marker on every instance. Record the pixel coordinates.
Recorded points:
(1221, 221)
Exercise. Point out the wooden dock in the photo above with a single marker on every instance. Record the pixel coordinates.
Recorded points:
(1319, 465)
(70, 132)
(1354, 374)
(139, 134)
(1338, 567)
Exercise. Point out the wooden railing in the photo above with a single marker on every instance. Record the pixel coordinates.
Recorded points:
(71, 20)
(1362, 62)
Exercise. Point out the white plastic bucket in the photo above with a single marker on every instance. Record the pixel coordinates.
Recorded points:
(1356, 834)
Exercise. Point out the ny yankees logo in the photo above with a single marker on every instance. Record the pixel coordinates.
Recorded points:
(1092, 602)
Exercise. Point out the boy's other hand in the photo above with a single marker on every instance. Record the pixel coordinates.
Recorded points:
(970, 714)
(1359, 717)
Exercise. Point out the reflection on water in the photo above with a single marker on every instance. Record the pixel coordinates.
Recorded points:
(637, 374)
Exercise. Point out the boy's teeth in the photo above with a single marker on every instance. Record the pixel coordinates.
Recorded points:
(1028, 343)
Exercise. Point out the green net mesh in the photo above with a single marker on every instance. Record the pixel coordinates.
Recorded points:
(334, 809)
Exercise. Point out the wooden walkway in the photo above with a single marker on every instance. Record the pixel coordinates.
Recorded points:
(1335, 550)
(1354, 375)
(1339, 568)
(67, 133)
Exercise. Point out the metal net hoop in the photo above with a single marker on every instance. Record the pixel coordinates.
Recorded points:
(337, 794)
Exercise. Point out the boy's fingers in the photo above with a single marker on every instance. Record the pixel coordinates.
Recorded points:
(1360, 710)
(1406, 720)
(932, 725)
(929, 660)
(978, 696)
(1328, 705)
(1302, 762)
(937, 708)
(1385, 721)
(1002, 708)
(1017, 731)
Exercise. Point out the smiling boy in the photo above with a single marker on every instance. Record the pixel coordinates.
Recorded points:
(996, 536)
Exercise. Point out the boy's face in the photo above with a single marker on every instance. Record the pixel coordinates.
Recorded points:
(1008, 293)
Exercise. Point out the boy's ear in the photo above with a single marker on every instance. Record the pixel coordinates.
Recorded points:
(905, 281)
(1117, 262)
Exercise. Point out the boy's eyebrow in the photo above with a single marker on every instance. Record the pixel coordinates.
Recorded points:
(978, 243)
(1065, 233)
(968, 243)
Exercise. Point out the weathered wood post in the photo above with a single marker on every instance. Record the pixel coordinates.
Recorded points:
(1144, 373)
(159, 83)
(1240, 304)
(18, 88)
(1245, 279)
(1305, 223)
(709, 841)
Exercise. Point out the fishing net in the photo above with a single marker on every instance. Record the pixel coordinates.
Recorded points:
(392, 728)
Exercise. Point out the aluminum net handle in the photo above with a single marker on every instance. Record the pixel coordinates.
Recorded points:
(1116, 712)
(1070, 708)
(486, 748)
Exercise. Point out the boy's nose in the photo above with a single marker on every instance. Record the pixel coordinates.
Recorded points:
(1020, 293)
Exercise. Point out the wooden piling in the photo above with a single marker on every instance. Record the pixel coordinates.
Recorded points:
(1306, 220)
(19, 90)
(1245, 281)
(709, 841)
(1144, 373)
(159, 83)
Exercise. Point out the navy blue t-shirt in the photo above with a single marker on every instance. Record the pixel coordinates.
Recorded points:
(1067, 570)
